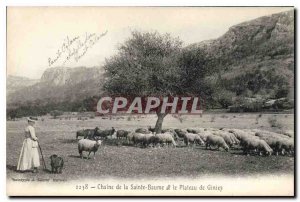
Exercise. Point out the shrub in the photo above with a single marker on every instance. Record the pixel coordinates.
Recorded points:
(224, 97)
(284, 103)
(244, 104)
(56, 113)
(253, 106)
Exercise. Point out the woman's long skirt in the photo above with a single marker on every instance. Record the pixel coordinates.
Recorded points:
(29, 157)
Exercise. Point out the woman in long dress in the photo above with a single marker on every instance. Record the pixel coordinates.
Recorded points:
(29, 158)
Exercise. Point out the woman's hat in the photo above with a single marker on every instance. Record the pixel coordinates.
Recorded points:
(32, 119)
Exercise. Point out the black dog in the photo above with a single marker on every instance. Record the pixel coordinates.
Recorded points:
(57, 163)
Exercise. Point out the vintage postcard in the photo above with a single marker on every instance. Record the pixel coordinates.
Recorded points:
(150, 101)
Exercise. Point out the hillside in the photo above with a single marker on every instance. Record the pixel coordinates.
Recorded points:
(14, 83)
(61, 84)
(252, 59)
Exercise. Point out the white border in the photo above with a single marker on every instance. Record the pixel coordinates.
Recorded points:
(4, 3)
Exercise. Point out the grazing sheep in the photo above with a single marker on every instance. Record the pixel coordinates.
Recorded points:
(257, 145)
(104, 133)
(263, 133)
(274, 143)
(149, 139)
(280, 145)
(122, 134)
(239, 134)
(203, 135)
(191, 130)
(172, 131)
(80, 133)
(130, 137)
(142, 130)
(229, 138)
(86, 133)
(233, 138)
(284, 146)
(193, 138)
(138, 138)
(213, 140)
(278, 142)
(57, 163)
(92, 134)
(166, 138)
(154, 140)
(288, 146)
(180, 133)
(142, 139)
(89, 146)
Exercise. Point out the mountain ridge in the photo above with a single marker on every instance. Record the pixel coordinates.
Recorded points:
(61, 84)
(263, 47)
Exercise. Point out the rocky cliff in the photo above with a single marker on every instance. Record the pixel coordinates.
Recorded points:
(254, 58)
(60, 76)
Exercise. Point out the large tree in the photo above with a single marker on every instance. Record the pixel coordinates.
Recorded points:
(151, 64)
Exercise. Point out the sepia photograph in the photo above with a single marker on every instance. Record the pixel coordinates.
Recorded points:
(150, 101)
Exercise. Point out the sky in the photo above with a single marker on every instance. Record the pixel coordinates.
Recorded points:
(40, 37)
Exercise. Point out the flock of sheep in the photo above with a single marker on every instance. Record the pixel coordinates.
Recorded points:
(251, 141)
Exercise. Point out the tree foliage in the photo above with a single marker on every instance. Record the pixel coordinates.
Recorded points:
(146, 64)
(56, 113)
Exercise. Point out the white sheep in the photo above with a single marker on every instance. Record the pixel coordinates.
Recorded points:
(130, 137)
(213, 140)
(278, 142)
(192, 138)
(233, 138)
(256, 144)
(89, 146)
(240, 134)
(203, 134)
(180, 133)
(148, 139)
(138, 138)
(287, 145)
(229, 141)
(264, 133)
(228, 137)
(194, 130)
(166, 138)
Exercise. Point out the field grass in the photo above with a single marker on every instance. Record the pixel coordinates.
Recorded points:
(112, 160)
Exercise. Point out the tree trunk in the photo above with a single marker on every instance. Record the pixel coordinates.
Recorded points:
(159, 122)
